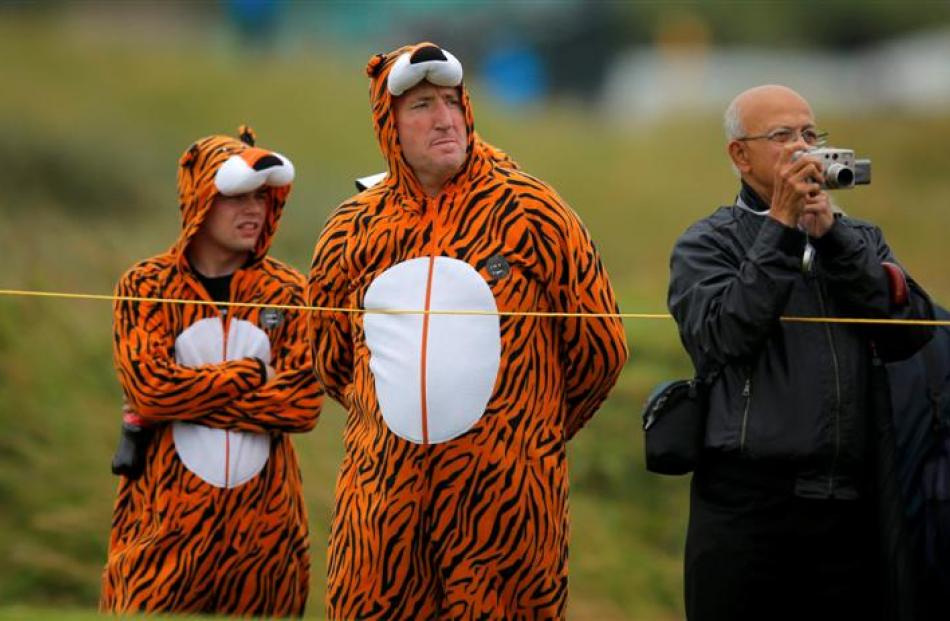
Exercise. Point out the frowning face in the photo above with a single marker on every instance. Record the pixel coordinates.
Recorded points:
(234, 223)
(430, 122)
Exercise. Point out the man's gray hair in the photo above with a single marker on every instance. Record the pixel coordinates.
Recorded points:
(732, 122)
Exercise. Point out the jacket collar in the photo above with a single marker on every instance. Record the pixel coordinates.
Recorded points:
(749, 199)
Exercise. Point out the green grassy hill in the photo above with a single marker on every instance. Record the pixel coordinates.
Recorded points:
(92, 125)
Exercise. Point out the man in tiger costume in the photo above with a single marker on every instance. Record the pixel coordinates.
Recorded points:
(451, 501)
(216, 521)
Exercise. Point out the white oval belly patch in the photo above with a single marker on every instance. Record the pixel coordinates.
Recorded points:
(219, 457)
(435, 374)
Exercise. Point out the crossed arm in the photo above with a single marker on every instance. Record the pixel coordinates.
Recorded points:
(234, 394)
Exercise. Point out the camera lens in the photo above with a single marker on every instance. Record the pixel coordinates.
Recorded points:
(839, 176)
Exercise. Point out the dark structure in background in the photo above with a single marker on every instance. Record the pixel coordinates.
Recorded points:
(567, 47)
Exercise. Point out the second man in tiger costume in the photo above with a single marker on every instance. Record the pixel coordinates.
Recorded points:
(215, 523)
(451, 500)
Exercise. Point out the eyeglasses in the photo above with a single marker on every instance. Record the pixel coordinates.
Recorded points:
(784, 135)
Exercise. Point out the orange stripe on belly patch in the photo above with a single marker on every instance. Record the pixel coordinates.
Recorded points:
(423, 354)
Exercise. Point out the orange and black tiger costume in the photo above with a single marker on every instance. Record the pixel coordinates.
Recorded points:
(451, 500)
(216, 522)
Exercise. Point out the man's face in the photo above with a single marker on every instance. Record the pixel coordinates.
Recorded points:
(234, 223)
(768, 112)
(431, 127)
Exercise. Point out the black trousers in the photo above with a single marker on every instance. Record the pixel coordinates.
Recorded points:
(756, 551)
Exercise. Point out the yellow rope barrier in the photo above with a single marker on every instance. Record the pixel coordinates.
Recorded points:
(394, 311)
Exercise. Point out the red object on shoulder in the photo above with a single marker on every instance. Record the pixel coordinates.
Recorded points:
(133, 419)
(896, 282)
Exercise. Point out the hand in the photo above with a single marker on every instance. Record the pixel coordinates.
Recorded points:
(817, 216)
(795, 180)
(271, 372)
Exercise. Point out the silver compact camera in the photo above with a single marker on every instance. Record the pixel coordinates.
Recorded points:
(839, 167)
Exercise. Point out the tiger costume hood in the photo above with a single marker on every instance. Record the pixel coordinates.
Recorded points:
(229, 166)
(391, 75)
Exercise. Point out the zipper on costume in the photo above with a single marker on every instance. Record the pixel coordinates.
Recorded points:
(225, 324)
(424, 353)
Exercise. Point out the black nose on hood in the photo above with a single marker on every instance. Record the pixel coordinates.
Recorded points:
(268, 161)
(427, 53)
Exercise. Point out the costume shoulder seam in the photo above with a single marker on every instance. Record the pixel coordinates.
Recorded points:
(522, 184)
(354, 206)
(520, 179)
(361, 199)
(283, 272)
(147, 269)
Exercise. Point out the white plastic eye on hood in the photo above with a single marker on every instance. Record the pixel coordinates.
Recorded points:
(251, 169)
(427, 63)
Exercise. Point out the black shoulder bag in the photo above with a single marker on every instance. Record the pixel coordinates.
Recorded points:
(674, 424)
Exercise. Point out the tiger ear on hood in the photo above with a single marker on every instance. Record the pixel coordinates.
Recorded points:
(187, 159)
(375, 65)
(247, 135)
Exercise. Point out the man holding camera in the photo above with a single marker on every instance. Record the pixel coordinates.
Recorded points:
(783, 502)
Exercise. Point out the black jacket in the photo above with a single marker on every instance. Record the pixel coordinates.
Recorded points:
(916, 390)
(920, 395)
(793, 395)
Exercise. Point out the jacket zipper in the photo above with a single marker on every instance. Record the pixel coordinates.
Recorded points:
(834, 364)
(747, 395)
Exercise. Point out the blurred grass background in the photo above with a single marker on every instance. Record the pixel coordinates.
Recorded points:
(91, 126)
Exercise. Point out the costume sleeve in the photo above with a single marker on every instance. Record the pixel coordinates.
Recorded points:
(727, 305)
(157, 388)
(292, 400)
(593, 350)
(853, 257)
(329, 332)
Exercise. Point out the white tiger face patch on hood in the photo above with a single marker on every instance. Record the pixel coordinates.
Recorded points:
(429, 63)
